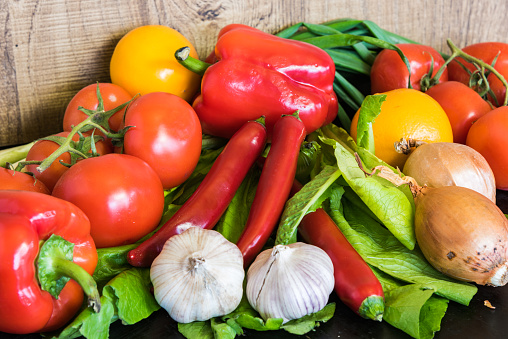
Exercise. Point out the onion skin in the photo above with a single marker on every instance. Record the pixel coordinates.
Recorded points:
(451, 164)
(462, 234)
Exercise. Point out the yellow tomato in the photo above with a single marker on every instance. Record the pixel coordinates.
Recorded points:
(144, 61)
(406, 113)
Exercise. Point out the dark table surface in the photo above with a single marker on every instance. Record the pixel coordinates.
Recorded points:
(459, 322)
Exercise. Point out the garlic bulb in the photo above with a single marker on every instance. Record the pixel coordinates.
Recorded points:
(290, 281)
(198, 275)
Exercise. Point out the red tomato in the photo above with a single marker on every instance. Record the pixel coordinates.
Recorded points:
(166, 134)
(14, 180)
(462, 104)
(112, 96)
(488, 135)
(121, 195)
(486, 51)
(389, 72)
(44, 148)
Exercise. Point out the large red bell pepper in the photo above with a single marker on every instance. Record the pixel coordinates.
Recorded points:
(256, 73)
(27, 221)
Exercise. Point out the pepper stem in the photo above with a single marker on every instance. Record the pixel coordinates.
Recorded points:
(197, 66)
(55, 268)
(77, 273)
(372, 307)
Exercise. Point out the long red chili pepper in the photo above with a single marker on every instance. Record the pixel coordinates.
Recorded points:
(355, 283)
(274, 186)
(207, 204)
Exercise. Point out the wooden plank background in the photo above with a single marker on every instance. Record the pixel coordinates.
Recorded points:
(52, 48)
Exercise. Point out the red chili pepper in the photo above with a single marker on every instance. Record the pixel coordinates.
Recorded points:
(355, 283)
(207, 204)
(26, 220)
(274, 186)
(260, 72)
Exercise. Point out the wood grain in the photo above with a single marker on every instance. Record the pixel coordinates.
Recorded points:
(53, 48)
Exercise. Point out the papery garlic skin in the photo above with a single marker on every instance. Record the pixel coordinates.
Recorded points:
(198, 275)
(290, 281)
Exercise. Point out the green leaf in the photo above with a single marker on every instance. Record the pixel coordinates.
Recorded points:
(351, 90)
(343, 40)
(196, 329)
(132, 289)
(309, 322)
(111, 262)
(308, 199)
(258, 324)
(232, 222)
(320, 29)
(414, 310)
(222, 330)
(50, 278)
(385, 200)
(290, 31)
(348, 60)
(126, 297)
(379, 248)
(369, 111)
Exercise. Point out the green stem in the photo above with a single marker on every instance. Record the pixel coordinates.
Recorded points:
(14, 154)
(77, 273)
(66, 145)
(456, 52)
(197, 66)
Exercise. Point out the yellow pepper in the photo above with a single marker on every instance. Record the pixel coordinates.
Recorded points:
(143, 62)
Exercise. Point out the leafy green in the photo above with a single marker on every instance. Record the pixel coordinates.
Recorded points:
(126, 297)
(413, 309)
(309, 322)
(196, 329)
(233, 220)
(385, 200)
(111, 262)
(370, 109)
(381, 249)
(308, 199)
(245, 317)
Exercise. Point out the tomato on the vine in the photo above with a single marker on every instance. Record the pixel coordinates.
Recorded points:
(462, 104)
(144, 61)
(120, 194)
(488, 136)
(487, 52)
(166, 133)
(44, 148)
(15, 180)
(389, 72)
(112, 96)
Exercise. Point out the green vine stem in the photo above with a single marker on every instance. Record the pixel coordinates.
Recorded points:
(457, 52)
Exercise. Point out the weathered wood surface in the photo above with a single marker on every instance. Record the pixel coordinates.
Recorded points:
(52, 48)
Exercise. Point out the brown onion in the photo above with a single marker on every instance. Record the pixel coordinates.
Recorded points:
(461, 233)
(451, 164)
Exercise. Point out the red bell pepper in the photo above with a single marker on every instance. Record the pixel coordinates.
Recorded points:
(29, 222)
(207, 204)
(258, 72)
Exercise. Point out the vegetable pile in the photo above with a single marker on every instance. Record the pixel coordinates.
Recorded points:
(239, 192)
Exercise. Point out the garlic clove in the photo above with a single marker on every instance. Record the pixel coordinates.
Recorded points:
(290, 281)
(198, 275)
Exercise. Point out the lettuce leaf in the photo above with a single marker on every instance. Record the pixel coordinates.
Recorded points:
(126, 297)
